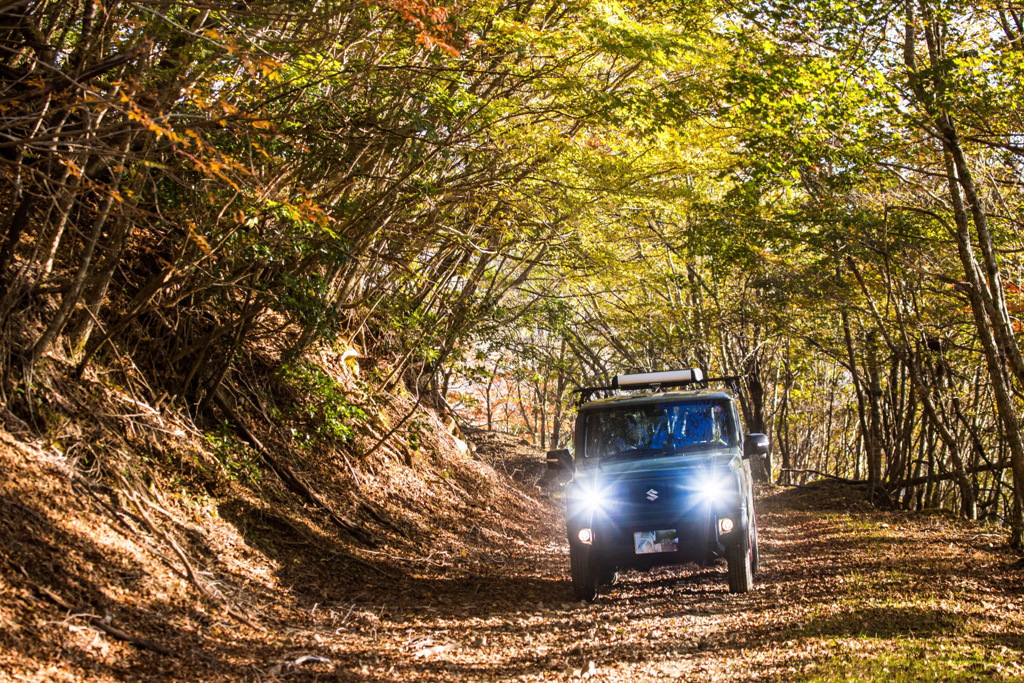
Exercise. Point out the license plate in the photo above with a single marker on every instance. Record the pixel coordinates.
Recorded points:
(664, 541)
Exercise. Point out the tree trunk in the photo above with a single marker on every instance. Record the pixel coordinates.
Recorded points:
(985, 297)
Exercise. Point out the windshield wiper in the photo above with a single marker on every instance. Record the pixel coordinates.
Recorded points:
(617, 455)
(634, 453)
(699, 446)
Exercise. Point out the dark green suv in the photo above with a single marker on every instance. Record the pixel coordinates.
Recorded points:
(661, 476)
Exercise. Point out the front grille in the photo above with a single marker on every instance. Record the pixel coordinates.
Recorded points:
(649, 494)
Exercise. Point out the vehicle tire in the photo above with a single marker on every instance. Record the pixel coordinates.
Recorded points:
(584, 573)
(755, 553)
(607, 576)
(740, 559)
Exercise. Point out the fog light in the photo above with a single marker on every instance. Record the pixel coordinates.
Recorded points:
(586, 536)
(725, 525)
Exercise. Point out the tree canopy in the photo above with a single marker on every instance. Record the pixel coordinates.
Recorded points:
(497, 202)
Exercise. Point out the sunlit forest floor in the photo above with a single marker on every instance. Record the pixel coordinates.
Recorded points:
(844, 593)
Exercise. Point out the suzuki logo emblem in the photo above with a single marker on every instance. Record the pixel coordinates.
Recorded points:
(652, 495)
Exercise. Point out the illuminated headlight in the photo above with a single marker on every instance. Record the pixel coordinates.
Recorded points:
(725, 525)
(712, 488)
(586, 536)
(589, 497)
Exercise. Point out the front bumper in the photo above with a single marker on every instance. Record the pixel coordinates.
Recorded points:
(628, 506)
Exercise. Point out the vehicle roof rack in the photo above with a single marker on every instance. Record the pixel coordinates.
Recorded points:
(656, 381)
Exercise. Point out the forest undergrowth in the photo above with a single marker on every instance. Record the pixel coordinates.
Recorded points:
(263, 264)
(142, 568)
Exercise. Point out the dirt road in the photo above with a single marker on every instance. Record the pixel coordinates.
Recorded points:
(845, 592)
(841, 595)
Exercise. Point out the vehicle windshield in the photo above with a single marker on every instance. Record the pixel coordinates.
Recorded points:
(651, 429)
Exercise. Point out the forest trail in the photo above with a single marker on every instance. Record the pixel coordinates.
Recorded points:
(863, 595)
(845, 592)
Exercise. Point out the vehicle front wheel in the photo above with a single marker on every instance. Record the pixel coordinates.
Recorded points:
(755, 551)
(607, 576)
(740, 559)
(584, 572)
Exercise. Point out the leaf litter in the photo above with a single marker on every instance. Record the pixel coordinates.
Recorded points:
(845, 592)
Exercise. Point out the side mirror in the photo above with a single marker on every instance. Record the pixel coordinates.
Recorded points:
(561, 460)
(755, 444)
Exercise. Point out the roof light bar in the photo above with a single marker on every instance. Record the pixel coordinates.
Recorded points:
(649, 378)
(656, 381)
